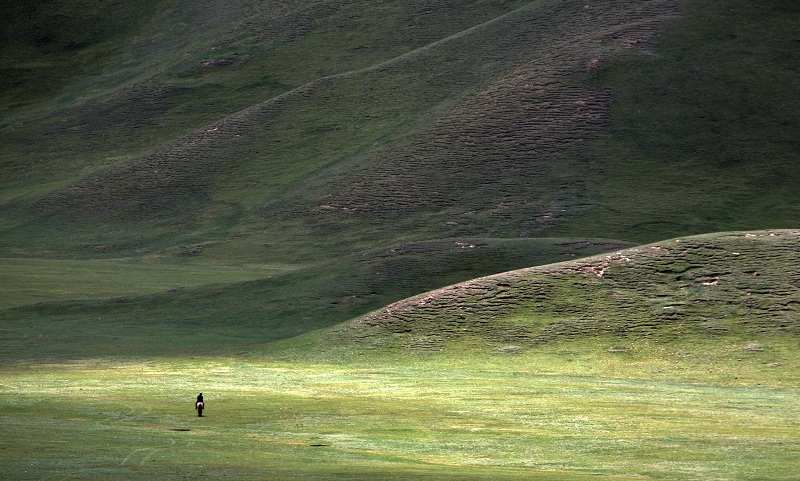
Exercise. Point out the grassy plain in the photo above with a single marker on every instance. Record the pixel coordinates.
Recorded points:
(444, 417)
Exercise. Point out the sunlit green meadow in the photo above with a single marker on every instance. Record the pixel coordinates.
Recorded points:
(438, 417)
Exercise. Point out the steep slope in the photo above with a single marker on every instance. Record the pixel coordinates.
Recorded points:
(741, 285)
(191, 65)
(704, 136)
(255, 125)
(370, 148)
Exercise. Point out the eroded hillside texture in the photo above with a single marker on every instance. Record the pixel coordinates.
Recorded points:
(736, 284)
(300, 129)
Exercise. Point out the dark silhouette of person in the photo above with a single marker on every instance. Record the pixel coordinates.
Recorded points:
(199, 404)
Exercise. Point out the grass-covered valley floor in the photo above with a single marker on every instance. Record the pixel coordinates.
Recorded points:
(658, 416)
(670, 377)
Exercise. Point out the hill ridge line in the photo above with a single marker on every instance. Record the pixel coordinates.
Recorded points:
(349, 73)
(417, 51)
(192, 155)
(708, 284)
(595, 264)
(201, 136)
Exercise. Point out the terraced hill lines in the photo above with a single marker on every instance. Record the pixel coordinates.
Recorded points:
(185, 168)
(360, 124)
(500, 141)
(741, 284)
(191, 63)
(511, 150)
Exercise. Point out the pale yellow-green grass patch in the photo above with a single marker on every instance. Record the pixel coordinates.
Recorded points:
(395, 421)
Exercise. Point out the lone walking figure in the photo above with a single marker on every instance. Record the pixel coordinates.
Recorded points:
(199, 404)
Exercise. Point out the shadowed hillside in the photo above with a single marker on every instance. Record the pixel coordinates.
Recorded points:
(473, 132)
(238, 129)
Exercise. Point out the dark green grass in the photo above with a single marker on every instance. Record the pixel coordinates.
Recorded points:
(144, 307)
(46, 45)
(28, 281)
(189, 66)
(489, 127)
(705, 127)
(108, 123)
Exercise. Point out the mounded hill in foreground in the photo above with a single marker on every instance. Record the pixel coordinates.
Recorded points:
(742, 285)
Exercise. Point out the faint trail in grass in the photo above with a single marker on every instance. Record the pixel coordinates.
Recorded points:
(145, 453)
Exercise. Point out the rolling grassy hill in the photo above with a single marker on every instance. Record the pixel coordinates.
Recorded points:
(61, 310)
(298, 135)
(704, 289)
